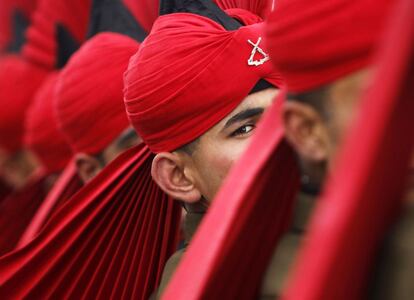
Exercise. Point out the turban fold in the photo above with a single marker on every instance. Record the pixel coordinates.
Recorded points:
(10, 12)
(257, 7)
(42, 45)
(188, 75)
(42, 135)
(89, 94)
(19, 81)
(315, 43)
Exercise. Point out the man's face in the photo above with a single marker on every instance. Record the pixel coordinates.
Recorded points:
(16, 168)
(341, 106)
(325, 127)
(219, 148)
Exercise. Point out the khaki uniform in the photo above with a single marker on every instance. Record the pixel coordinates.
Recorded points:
(394, 273)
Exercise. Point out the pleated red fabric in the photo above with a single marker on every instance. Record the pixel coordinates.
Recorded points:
(8, 8)
(337, 35)
(19, 81)
(362, 198)
(18, 209)
(41, 47)
(42, 135)
(145, 12)
(208, 63)
(89, 98)
(65, 187)
(111, 240)
(230, 251)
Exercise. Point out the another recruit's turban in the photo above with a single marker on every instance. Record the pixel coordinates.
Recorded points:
(19, 81)
(315, 43)
(42, 135)
(188, 75)
(71, 17)
(10, 12)
(89, 102)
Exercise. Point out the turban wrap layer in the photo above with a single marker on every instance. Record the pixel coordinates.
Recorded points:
(188, 75)
(313, 44)
(42, 46)
(89, 102)
(8, 11)
(19, 81)
(42, 135)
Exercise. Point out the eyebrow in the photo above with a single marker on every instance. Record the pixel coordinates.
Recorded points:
(243, 115)
(126, 136)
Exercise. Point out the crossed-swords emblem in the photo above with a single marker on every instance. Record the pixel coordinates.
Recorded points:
(256, 48)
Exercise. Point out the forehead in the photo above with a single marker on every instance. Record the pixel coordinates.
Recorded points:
(261, 99)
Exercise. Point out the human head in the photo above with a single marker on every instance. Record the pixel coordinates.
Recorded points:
(325, 82)
(19, 80)
(180, 99)
(89, 105)
(42, 136)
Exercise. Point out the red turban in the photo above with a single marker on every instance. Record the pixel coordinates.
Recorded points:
(7, 10)
(19, 81)
(73, 15)
(89, 102)
(188, 75)
(315, 43)
(42, 135)
(258, 7)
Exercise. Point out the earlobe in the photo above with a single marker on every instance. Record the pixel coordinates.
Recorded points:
(88, 166)
(305, 130)
(168, 172)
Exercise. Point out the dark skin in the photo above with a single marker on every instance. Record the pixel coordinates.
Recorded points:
(316, 128)
(16, 168)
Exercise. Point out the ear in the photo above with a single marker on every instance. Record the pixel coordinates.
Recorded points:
(169, 172)
(88, 166)
(306, 131)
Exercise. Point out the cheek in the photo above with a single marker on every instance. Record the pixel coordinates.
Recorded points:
(218, 161)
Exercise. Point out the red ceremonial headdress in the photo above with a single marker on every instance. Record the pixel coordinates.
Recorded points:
(315, 43)
(42, 135)
(51, 19)
(19, 81)
(14, 15)
(190, 87)
(89, 104)
(258, 7)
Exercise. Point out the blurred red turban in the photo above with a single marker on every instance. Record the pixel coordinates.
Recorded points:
(19, 81)
(42, 46)
(89, 102)
(315, 43)
(42, 135)
(8, 9)
(188, 75)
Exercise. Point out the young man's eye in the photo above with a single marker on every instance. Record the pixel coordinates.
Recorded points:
(243, 130)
